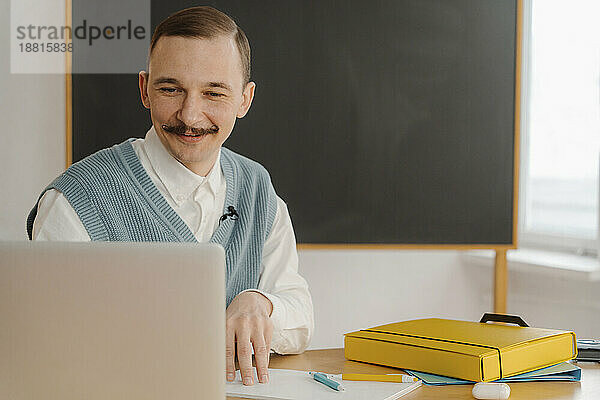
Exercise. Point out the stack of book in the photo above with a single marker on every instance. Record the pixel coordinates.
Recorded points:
(442, 351)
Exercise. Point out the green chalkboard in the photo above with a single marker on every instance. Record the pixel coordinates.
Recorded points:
(381, 122)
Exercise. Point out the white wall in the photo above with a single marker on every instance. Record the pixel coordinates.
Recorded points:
(351, 289)
(32, 136)
(549, 301)
(356, 289)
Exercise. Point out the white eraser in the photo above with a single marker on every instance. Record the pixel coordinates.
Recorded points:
(489, 391)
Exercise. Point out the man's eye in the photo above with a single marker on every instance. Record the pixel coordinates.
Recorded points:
(168, 90)
(215, 94)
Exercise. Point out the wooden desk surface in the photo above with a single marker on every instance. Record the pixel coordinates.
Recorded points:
(332, 361)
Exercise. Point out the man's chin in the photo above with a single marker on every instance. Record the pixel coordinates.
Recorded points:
(197, 151)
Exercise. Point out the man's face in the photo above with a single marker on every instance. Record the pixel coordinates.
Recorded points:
(195, 91)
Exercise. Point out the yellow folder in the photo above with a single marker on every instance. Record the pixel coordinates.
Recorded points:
(461, 349)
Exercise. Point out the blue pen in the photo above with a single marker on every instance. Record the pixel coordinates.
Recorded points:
(322, 378)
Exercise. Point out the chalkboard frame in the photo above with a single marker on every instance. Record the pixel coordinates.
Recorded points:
(516, 154)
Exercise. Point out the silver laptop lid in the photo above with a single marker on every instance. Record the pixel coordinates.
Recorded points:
(112, 321)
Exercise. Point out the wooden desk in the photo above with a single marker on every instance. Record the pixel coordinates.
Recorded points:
(333, 361)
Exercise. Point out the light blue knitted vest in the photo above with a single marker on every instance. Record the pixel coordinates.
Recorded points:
(117, 201)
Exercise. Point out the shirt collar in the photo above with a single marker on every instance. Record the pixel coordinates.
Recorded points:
(179, 181)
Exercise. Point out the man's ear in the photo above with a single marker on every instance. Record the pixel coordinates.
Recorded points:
(247, 96)
(143, 83)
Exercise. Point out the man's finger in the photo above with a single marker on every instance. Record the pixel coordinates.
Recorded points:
(268, 333)
(261, 356)
(230, 354)
(244, 354)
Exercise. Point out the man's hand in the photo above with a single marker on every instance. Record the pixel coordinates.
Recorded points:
(249, 325)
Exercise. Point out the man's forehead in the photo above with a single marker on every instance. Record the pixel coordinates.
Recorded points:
(181, 55)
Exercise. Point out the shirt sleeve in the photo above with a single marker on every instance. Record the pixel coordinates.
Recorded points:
(280, 282)
(56, 220)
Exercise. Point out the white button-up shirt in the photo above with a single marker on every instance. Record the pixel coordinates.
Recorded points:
(199, 201)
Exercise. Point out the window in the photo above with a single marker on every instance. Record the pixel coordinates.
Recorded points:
(561, 124)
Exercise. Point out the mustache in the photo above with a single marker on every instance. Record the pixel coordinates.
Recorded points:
(180, 129)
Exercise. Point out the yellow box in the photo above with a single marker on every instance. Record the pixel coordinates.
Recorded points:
(461, 349)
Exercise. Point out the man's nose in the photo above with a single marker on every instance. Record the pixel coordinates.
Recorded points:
(193, 111)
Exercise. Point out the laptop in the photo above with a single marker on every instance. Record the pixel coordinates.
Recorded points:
(112, 321)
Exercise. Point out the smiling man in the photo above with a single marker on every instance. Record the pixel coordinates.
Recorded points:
(180, 184)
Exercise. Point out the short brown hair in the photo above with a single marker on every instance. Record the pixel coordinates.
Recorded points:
(204, 22)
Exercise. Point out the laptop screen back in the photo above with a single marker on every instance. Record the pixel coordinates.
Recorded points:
(111, 321)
